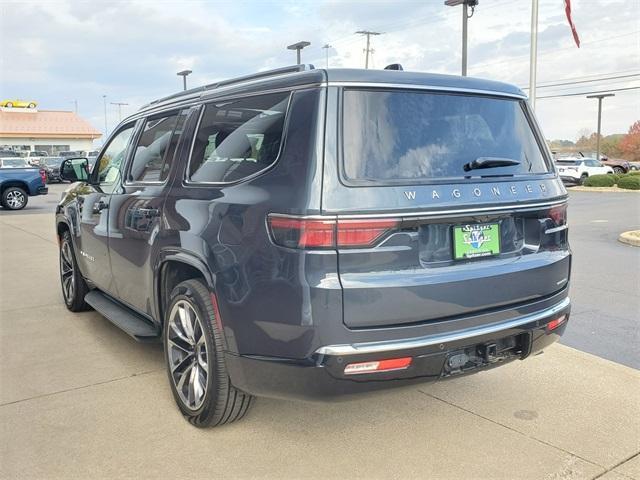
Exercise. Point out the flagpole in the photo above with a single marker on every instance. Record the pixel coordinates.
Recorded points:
(533, 60)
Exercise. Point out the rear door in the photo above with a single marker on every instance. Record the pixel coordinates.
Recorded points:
(136, 211)
(424, 234)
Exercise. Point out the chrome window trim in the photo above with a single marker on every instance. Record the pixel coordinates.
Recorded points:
(186, 180)
(435, 88)
(430, 340)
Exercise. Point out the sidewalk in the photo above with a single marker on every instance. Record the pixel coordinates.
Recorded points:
(80, 399)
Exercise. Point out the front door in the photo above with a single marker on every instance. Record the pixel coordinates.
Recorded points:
(136, 210)
(92, 243)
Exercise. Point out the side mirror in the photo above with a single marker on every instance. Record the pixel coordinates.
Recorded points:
(75, 169)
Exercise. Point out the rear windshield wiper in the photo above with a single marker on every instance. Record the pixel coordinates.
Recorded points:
(489, 162)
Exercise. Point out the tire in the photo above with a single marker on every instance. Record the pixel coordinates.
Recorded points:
(32, 105)
(14, 198)
(9, 105)
(74, 287)
(193, 348)
(583, 177)
(619, 170)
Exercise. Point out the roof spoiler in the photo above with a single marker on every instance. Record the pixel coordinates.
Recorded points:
(232, 81)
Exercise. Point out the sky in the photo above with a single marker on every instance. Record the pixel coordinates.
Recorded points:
(62, 52)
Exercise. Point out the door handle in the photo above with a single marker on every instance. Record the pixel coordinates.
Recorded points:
(98, 207)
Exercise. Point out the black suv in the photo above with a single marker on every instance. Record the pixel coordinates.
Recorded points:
(306, 233)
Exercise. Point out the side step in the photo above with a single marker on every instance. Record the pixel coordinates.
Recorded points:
(122, 317)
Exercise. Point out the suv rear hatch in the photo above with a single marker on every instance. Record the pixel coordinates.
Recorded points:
(446, 204)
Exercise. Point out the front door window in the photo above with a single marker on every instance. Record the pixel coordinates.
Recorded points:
(109, 164)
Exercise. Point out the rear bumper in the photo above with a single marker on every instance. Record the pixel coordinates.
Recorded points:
(322, 376)
(42, 190)
(568, 179)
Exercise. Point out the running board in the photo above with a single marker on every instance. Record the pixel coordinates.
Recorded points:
(122, 317)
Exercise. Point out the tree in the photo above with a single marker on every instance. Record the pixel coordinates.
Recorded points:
(630, 143)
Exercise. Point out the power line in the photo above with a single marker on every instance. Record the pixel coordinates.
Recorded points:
(584, 81)
(590, 93)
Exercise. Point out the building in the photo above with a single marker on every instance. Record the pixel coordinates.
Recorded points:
(53, 131)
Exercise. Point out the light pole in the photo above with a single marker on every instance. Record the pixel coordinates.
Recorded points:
(184, 74)
(367, 50)
(119, 105)
(465, 17)
(326, 48)
(104, 100)
(599, 97)
(75, 105)
(533, 54)
(298, 47)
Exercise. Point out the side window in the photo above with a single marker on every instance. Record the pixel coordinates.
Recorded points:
(156, 146)
(238, 138)
(111, 159)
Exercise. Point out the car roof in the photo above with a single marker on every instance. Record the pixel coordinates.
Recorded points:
(306, 75)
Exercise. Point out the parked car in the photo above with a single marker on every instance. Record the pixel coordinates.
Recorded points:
(315, 233)
(72, 153)
(8, 153)
(619, 166)
(14, 162)
(36, 157)
(18, 183)
(18, 104)
(577, 170)
(52, 168)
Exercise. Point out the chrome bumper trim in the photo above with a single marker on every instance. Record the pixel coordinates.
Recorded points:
(409, 343)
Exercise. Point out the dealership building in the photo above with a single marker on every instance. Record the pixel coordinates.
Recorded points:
(49, 130)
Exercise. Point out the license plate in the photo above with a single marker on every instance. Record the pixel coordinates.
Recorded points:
(476, 240)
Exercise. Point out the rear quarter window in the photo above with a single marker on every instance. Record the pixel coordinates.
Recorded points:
(409, 137)
(237, 139)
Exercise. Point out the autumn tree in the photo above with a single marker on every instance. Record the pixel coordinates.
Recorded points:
(630, 143)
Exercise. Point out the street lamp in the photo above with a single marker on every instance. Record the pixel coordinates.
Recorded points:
(119, 105)
(297, 47)
(184, 74)
(465, 4)
(600, 97)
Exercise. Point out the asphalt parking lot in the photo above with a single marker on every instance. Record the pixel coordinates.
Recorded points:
(79, 398)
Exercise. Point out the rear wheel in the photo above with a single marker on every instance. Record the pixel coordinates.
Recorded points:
(32, 105)
(14, 198)
(74, 288)
(194, 356)
(618, 170)
(583, 178)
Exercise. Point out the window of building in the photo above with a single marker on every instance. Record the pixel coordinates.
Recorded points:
(238, 138)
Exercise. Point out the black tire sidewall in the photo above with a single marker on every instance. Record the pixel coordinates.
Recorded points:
(204, 308)
(77, 303)
(8, 190)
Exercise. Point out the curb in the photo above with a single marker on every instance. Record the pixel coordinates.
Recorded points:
(579, 188)
(630, 238)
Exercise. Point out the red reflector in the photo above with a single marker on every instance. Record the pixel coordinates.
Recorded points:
(378, 366)
(363, 233)
(553, 324)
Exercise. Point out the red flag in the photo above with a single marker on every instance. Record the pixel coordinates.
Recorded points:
(567, 10)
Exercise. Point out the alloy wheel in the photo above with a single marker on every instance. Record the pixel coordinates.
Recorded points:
(66, 272)
(15, 199)
(187, 354)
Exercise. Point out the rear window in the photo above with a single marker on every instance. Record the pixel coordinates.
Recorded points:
(568, 162)
(238, 138)
(413, 137)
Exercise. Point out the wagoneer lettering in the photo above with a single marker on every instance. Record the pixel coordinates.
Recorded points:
(304, 233)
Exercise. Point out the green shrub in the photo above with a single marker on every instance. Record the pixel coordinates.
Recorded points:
(600, 181)
(630, 182)
(616, 177)
(633, 172)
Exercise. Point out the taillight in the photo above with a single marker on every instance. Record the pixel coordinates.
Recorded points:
(555, 323)
(559, 214)
(43, 175)
(301, 232)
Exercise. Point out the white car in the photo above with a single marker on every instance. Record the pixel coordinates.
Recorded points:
(577, 170)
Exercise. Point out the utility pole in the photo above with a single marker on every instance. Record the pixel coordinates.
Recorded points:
(326, 47)
(106, 133)
(599, 97)
(533, 56)
(119, 105)
(75, 105)
(367, 50)
(298, 47)
(465, 17)
(184, 74)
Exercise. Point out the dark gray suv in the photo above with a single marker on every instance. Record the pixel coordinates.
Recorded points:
(306, 233)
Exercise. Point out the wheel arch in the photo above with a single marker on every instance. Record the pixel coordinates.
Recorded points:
(14, 183)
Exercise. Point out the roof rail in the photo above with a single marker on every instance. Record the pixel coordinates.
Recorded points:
(231, 81)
